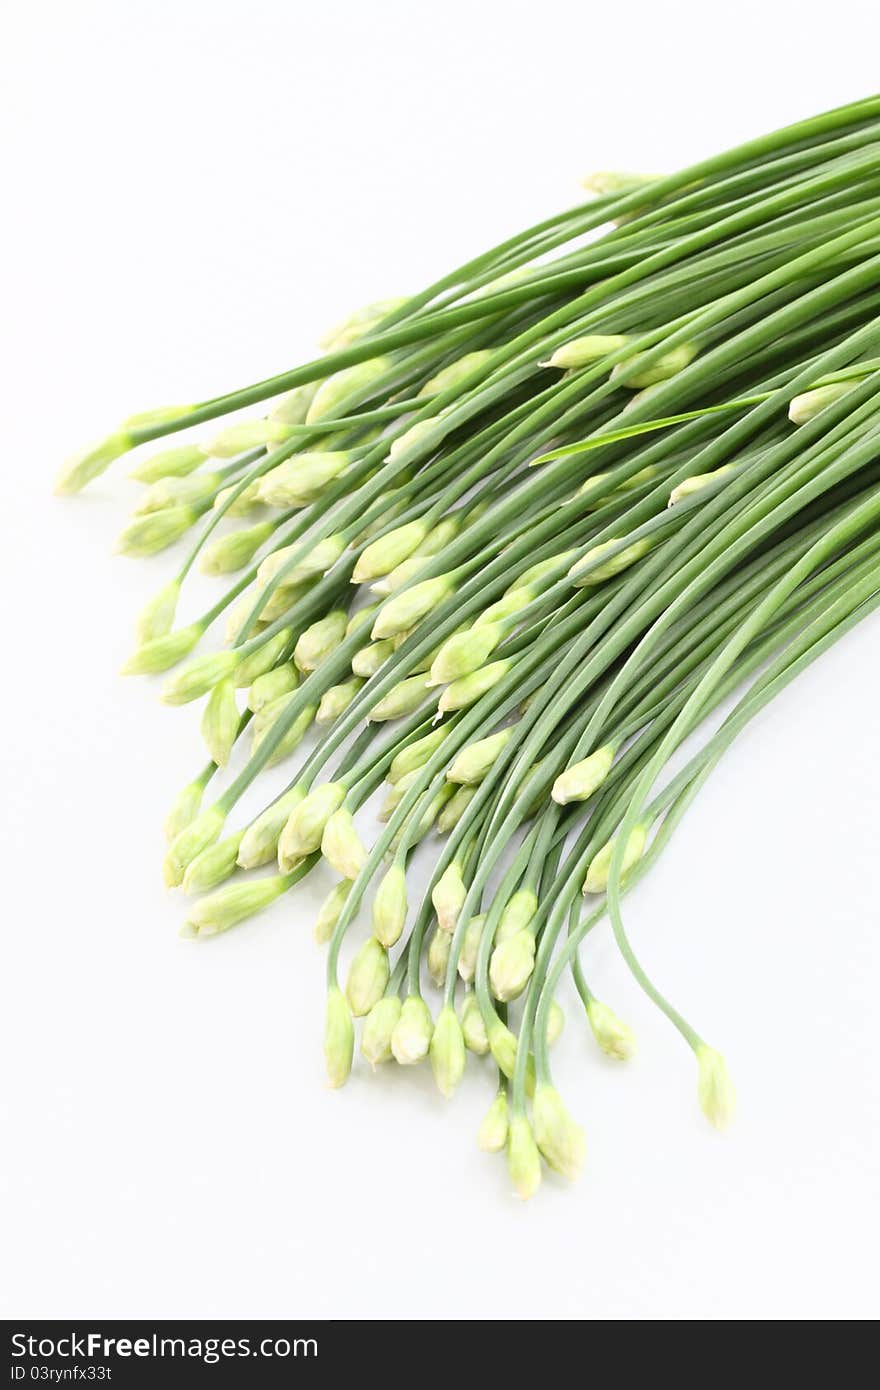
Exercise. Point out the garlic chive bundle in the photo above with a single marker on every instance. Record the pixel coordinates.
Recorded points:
(509, 543)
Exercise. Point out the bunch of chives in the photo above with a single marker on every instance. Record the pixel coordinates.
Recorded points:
(488, 562)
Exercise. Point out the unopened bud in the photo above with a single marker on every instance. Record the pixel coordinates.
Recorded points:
(448, 895)
(177, 492)
(235, 550)
(199, 676)
(337, 699)
(473, 1028)
(696, 483)
(160, 653)
(439, 948)
(555, 1023)
(469, 689)
(246, 435)
(299, 480)
(347, 388)
(472, 764)
(596, 880)
(91, 463)
(714, 1087)
(293, 406)
(454, 809)
(411, 1036)
(471, 364)
(359, 324)
(156, 618)
(338, 1038)
(635, 374)
(404, 698)
(523, 1158)
(259, 843)
(387, 552)
(378, 1028)
(320, 639)
(263, 658)
(579, 781)
(414, 438)
(367, 977)
(808, 404)
(559, 1138)
(341, 845)
(614, 1037)
(511, 966)
(368, 660)
(271, 685)
(220, 722)
(147, 535)
(212, 866)
(448, 1055)
(233, 904)
(305, 825)
(591, 569)
(331, 911)
(184, 809)
(517, 915)
(389, 906)
(465, 652)
(467, 960)
(416, 754)
(190, 842)
(237, 500)
(403, 611)
(492, 1134)
(581, 352)
(170, 463)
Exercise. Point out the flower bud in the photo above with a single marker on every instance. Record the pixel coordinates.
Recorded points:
(331, 911)
(212, 866)
(319, 640)
(233, 502)
(305, 826)
(695, 483)
(581, 352)
(246, 435)
(454, 809)
(448, 1055)
(390, 906)
(322, 557)
(156, 618)
(474, 761)
(220, 722)
(147, 535)
(169, 463)
(383, 555)
(614, 1037)
(378, 1028)
(465, 652)
(469, 689)
(91, 463)
(636, 375)
(492, 1134)
(502, 1045)
(159, 653)
(199, 676)
(299, 480)
(259, 842)
(403, 698)
(511, 966)
(414, 437)
(293, 406)
(341, 845)
(232, 904)
(177, 492)
(467, 961)
(596, 880)
(586, 571)
(523, 1159)
(337, 699)
(473, 1028)
(347, 388)
(416, 754)
(439, 949)
(714, 1087)
(359, 324)
(396, 795)
(402, 612)
(262, 659)
(367, 977)
(808, 404)
(271, 685)
(190, 841)
(448, 895)
(361, 617)
(235, 550)
(411, 1036)
(579, 781)
(366, 662)
(456, 372)
(555, 1023)
(560, 1140)
(517, 915)
(184, 809)
(338, 1038)
(508, 606)
(399, 577)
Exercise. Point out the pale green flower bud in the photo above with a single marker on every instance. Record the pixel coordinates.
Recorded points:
(319, 640)
(476, 1039)
(467, 960)
(808, 404)
(425, 821)
(644, 475)
(396, 795)
(292, 737)
(359, 324)
(714, 1087)
(160, 653)
(583, 778)
(411, 1036)
(271, 685)
(581, 352)
(237, 616)
(184, 809)
(454, 809)
(190, 842)
(199, 676)
(614, 181)
(246, 435)
(533, 578)
(176, 492)
(402, 699)
(492, 1134)
(448, 895)
(91, 463)
(586, 572)
(321, 558)
(555, 1023)
(511, 603)
(523, 1158)
(378, 1028)
(636, 375)
(147, 535)
(264, 658)
(381, 556)
(560, 1140)
(331, 911)
(367, 661)
(293, 407)
(474, 761)
(279, 602)
(439, 949)
(347, 388)
(267, 717)
(596, 880)
(614, 1037)
(390, 906)
(511, 966)
(361, 618)
(465, 652)
(305, 826)
(440, 536)
(402, 612)
(338, 1038)
(156, 618)
(469, 689)
(259, 843)
(213, 865)
(416, 754)
(247, 501)
(170, 463)
(448, 1055)
(299, 480)
(367, 977)
(235, 550)
(399, 577)
(456, 372)
(691, 486)
(517, 915)
(502, 1045)
(337, 699)
(414, 437)
(220, 722)
(341, 845)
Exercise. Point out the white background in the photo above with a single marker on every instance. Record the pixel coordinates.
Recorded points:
(194, 191)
